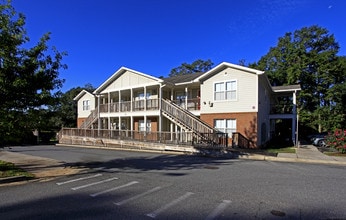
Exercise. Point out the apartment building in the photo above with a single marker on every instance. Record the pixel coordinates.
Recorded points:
(230, 99)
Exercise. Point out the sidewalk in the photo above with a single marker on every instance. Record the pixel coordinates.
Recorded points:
(304, 154)
(45, 168)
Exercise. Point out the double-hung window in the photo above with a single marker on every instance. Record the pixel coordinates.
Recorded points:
(226, 125)
(225, 90)
(86, 105)
(142, 127)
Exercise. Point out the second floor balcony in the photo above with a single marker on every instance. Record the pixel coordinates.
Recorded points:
(146, 105)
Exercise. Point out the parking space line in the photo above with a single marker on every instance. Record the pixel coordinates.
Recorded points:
(79, 179)
(155, 213)
(95, 183)
(112, 189)
(217, 211)
(137, 196)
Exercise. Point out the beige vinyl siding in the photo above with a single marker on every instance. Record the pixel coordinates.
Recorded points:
(246, 97)
(129, 80)
(263, 112)
(85, 113)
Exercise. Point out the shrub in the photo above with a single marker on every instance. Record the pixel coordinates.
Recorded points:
(337, 140)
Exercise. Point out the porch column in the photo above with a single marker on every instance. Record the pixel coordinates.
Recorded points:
(186, 95)
(131, 103)
(119, 101)
(172, 94)
(171, 129)
(145, 98)
(294, 120)
(145, 125)
(108, 102)
(160, 110)
(98, 117)
(131, 121)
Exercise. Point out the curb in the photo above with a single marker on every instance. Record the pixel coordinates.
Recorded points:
(13, 179)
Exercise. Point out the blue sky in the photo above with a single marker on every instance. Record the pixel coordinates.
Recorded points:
(155, 36)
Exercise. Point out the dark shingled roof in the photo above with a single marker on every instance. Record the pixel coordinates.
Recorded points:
(182, 78)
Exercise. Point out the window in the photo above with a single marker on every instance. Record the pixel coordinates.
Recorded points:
(86, 105)
(226, 125)
(225, 90)
(142, 127)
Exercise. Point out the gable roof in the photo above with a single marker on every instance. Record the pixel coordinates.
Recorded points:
(225, 65)
(182, 79)
(118, 73)
(81, 94)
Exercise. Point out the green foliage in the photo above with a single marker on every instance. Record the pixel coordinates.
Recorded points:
(66, 110)
(197, 66)
(337, 140)
(9, 169)
(29, 82)
(309, 57)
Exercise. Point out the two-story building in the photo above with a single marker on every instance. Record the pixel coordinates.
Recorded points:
(229, 98)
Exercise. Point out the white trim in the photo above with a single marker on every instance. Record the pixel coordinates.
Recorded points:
(225, 81)
(121, 71)
(223, 65)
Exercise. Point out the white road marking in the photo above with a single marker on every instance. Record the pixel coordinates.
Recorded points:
(75, 180)
(112, 189)
(217, 211)
(167, 206)
(137, 196)
(91, 184)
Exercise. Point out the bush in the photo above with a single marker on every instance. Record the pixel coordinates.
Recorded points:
(337, 140)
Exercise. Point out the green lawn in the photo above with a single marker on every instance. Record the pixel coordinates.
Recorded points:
(9, 169)
(291, 150)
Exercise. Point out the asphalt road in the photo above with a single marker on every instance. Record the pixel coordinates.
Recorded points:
(134, 185)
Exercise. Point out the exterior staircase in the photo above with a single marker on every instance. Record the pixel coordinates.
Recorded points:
(90, 119)
(188, 121)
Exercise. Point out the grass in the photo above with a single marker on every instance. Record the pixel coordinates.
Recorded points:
(291, 150)
(9, 169)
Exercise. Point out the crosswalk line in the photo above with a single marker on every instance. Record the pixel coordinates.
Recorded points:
(95, 183)
(155, 213)
(137, 196)
(218, 210)
(79, 179)
(112, 189)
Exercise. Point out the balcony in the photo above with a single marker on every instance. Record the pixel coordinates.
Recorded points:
(128, 106)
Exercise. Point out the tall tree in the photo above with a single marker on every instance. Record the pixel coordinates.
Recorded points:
(29, 81)
(309, 57)
(66, 111)
(195, 67)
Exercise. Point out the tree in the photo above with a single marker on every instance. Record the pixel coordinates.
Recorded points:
(66, 111)
(196, 66)
(309, 57)
(29, 81)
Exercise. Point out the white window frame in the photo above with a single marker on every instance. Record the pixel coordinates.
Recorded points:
(226, 125)
(86, 105)
(141, 126)
(224, 92)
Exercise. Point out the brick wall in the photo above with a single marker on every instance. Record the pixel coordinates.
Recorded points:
(246, 123)
(80, 121)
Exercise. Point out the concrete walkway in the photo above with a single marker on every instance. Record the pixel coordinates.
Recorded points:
(46, 168)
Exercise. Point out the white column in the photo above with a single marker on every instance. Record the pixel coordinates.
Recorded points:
(145, 98)
(186, 96)
(119, 110)
(294, 120)
(131, 99)
(98, 110)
